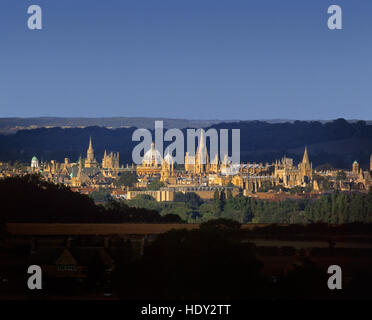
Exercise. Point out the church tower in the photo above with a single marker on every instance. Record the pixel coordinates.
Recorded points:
(167, 167)
(306, 167)
(189, 163)
(90, 161)
(305, 159)
(355, 167)
(202, 158)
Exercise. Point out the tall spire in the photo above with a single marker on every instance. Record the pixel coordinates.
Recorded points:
(305, 159)
(202, 138)
(201, 151)
(90, 143)
(90, 154)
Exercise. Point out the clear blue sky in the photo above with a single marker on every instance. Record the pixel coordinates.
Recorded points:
(197, 59)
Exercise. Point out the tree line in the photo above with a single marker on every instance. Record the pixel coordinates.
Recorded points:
(333, 208)
(30, 199)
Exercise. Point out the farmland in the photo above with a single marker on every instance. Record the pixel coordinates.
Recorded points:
(45, 229)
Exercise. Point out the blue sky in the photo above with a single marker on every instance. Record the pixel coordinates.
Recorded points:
(196, 59)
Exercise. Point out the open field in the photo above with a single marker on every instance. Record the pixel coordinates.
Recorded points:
(45, 229)
(99, 229)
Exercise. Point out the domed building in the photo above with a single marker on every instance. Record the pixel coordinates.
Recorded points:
(168, 159)
(34, 163)
(355, 167)
(151, 162)
(152, 157)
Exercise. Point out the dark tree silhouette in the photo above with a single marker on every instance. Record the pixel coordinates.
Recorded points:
(30, 199)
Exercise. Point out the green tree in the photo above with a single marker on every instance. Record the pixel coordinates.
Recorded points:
(192, 199)
(229, 195)
(206, 208)
(101, 195)
(219, 202)
(127, 179)
(155, 185)
(222, 200)
(144, 201)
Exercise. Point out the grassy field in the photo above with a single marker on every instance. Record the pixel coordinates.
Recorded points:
(93, 228)
(101, 228)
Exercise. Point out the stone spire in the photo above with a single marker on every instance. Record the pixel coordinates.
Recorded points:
(305, 159)
(90, 152)
(201, 151)
(90, 161)
(202, 138)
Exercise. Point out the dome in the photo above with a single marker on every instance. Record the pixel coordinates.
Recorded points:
(168, 159)
(34, 162)
(152, 155)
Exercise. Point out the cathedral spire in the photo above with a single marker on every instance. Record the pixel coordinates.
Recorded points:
(201, 152)
(90, 143)
(90, 161)
(305, 159)
(202, 138)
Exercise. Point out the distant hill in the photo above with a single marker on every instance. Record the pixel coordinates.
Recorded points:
(12, 125)
(338, 142)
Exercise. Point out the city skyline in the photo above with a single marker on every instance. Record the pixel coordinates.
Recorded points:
(202, 171)
(163, 152)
